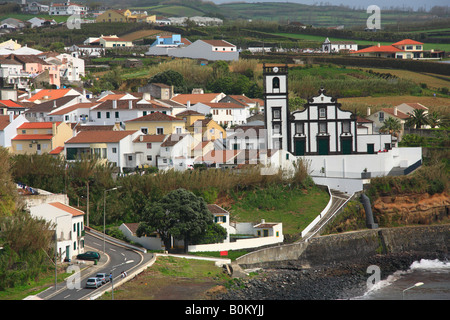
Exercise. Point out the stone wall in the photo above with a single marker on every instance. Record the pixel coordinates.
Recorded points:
(352, 246)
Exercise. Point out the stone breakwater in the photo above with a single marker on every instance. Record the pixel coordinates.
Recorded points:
(335, 266)
(339, 281)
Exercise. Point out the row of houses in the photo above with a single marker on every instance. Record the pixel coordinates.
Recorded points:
(130, 130)
(404, 49)
(22, 67)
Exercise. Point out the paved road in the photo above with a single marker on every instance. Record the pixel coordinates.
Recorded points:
(116, 260)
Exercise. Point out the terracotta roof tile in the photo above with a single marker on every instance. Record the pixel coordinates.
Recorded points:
(33, 137)
(101, 136)
(157, 117)
(68, 209)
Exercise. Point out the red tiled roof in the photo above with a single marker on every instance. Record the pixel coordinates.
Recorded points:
(214, 208)
(406, 41)
(150, 138)
(379, 49)
(100, 136)
(74, 107)
(399, 115)
(37, 125)
(4, 121)
(219, 43)
(51, 93)
(156, 116)
(57, 150)
(194, 98)
(33, 137)
(223, 105)
(68, 209)
(10, 104)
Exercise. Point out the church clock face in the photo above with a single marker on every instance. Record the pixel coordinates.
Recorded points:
(275, 69)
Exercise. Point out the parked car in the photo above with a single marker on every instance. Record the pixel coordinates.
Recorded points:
(93, 282)
(103, 277)
(89, 255)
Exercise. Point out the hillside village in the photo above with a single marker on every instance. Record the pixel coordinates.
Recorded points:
(46, 107)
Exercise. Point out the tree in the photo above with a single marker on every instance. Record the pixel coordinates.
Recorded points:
(170, 78)
(179, 214)
(391, 126)
(434, 119)
(417, 119)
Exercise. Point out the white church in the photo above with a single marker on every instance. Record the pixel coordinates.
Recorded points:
(339, 151)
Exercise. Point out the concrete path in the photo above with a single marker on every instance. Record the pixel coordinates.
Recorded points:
(338, 199)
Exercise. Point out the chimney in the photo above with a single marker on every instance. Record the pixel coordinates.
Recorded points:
(147, 96)
(11, 117)
(378, 45)
(54, 128)
(54, 103)
(114, 104)
(141, 138)
(130, 104)
(368, 111)
(189, 104)
(395, 111)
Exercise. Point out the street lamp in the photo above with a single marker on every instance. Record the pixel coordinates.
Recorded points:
(418, 284)
(104, 215)
(111, 276)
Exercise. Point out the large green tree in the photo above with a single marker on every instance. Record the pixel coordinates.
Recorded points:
(179, 214)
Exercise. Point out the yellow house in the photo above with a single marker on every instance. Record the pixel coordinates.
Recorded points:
(157, 123)
(114, 42)
(40, 137)
(142, 17)
(206, 130)
(114, 16)
(190, 116)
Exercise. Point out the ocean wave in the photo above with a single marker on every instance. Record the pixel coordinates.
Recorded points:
(425, 264)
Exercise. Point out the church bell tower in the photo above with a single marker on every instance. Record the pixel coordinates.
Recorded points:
(276, 109)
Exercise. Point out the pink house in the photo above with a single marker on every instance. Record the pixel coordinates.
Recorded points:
(35, 66)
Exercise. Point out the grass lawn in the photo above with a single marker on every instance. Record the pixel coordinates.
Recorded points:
(295, 208)
(171, 278)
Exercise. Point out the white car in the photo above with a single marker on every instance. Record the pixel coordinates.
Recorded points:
(93, 282)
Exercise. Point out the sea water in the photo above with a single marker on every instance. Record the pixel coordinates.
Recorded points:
(434, 274)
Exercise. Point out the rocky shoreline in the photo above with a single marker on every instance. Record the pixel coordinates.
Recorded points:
(340, 281)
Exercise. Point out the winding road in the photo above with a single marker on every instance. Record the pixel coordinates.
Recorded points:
(117, 259)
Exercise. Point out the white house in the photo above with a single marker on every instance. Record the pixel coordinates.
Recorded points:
(338, 46)
(8, 128)
(69, 223)
(67, 9)
(76, 113)
(112, 146)
(147, 148)
(37, 22)
(224, 113)
(206, 49)
(175, 152)
(72, 67)
(112, 111)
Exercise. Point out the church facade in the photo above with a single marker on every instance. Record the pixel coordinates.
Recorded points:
(321, 128)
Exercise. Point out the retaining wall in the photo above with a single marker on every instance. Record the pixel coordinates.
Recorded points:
(346, 247)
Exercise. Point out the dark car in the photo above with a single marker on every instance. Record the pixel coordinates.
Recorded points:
(89, 255)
